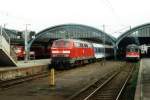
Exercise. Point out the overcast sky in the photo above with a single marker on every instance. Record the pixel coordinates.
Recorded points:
(116, 15)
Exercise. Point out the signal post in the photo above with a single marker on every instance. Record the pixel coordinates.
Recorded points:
(51, 76)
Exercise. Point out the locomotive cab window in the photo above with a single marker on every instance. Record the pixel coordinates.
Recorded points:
(62, 43)
(132, 49)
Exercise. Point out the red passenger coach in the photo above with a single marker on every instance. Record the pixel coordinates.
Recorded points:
(70, 51)
(19, 50)
(36, 52)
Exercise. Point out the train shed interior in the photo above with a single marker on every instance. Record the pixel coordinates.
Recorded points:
(45, 37)
(40, 43)
(139, 35)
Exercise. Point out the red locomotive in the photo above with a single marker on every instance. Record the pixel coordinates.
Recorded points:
(71, 52)
(132, 52)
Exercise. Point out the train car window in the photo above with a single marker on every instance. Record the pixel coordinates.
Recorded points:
(136, 49)
(99, 50)
(67, 43)
(102, 50)
(89, 45)
(85, 45)
(81, 44)
(77, 44)
(132, 49)
(128, 50)
(94, 49)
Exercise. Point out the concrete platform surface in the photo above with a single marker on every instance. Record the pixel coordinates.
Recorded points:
(33, 62)
(24, 69)
(23, 64)
(143, 85)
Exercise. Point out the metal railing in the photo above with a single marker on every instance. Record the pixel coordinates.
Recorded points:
(5, 41)
(5, 35)
(13, 53)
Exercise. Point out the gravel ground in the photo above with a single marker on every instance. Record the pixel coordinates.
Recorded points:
(68, 83)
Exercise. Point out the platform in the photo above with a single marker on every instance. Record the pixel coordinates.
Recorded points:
(33, 62)
(24, 69)
(23, 64)
(143, 85)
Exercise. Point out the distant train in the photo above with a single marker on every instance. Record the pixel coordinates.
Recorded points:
(70, 52)
(132, 52)
(35, 52)
(19, 50)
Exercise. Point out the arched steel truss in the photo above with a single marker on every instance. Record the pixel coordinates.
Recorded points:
(71, 31)
(136, 32)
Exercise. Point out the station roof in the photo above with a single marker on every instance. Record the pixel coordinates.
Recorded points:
(16, 36)
(75, 31)
(138, 35)
(13, 35)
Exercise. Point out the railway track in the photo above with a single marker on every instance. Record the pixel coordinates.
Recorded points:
(19, 80)
(107, 88)
(8, 83)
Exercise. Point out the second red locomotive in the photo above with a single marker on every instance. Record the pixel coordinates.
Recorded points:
(132, 52)
(37, 52)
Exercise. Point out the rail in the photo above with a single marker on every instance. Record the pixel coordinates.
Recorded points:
(109, 89)
(127, 79)
(12, 82)
(110, 78)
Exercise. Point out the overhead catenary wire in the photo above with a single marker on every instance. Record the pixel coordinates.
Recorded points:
(109, 5)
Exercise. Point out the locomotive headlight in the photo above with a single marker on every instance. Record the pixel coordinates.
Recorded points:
(54, 55)
(18, 51)
(66, 51)
(55, 51)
